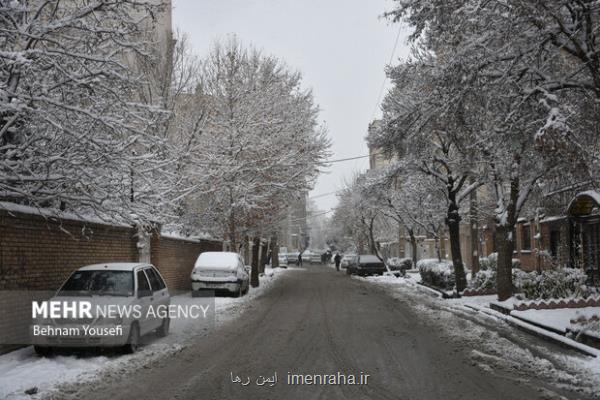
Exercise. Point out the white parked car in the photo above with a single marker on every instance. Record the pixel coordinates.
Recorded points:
(283, 260)
(220, 271)
(349, 260)
(119, 285)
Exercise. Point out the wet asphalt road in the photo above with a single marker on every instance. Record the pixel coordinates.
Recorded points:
(319, 321)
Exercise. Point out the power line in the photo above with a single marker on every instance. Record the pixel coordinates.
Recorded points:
(314, 215)
(217, 164)
(321, 213)
(324, 194)
(385, 78)
(346, 159)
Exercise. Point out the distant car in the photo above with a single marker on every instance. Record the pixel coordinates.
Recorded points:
(306, 256)
(293, 257)
(124, 285)
(315, 258)
(283, 260)
(220, 272)
(348, 261)
(369, 265)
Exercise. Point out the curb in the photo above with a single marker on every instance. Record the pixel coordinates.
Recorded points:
(540, 332)
(440, 292)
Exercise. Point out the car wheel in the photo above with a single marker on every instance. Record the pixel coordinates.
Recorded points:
(133, 342)
(164, 328)
(42, 351)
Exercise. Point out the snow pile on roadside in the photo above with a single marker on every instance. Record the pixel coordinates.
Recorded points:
(22, 369)
(409, 279)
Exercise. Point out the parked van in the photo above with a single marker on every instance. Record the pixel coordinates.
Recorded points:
(220, 271)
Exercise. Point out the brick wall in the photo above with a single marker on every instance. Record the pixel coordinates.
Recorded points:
(175, 259)
(39, 253)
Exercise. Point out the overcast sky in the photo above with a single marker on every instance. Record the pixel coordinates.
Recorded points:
(340, 46)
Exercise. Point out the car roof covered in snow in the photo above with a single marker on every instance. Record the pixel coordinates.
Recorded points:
(124, 266)
(217, 260)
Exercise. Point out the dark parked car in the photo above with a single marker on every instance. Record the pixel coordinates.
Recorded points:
(369, 265)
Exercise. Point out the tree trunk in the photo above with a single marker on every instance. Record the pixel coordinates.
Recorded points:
(372, 243)
(247, 251)
(263, 257)
(474, 233)
(232, 241)
(505, 244)
(442, 235)
(438, 248)
(413, 247)
(505, 239)
(453, 222)
(255, 261)
(275, 251)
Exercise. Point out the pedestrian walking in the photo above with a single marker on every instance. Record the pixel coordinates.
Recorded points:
(299, 262)
(337, 259)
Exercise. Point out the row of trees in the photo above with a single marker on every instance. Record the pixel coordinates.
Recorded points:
(259, 148)
(500, 95)
(103, 115)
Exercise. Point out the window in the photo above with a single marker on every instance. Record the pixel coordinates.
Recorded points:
(103, 282)
(155, 280)
(526, 238)
(143, 285)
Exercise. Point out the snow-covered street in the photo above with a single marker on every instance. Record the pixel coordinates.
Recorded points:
(318, 321)
(22, 370)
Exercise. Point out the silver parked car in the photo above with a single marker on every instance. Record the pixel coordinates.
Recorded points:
(131, 286)
(220, 271)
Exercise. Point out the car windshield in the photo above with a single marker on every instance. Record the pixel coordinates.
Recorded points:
(100, 282)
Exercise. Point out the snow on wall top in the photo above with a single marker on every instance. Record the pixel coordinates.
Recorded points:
(55, 213)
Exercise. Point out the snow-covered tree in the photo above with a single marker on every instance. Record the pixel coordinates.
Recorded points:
(426, 124)
(73, 131)
(259, 145)
(513, 72)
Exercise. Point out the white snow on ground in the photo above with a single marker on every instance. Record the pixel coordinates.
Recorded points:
(559, 319)
(493, 345)
(412, 278)
(22, 369)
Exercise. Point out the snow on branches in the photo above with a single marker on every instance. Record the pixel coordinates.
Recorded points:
(73, 132)
(261, 145)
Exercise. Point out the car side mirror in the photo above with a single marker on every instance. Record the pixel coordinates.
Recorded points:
(248, 268)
